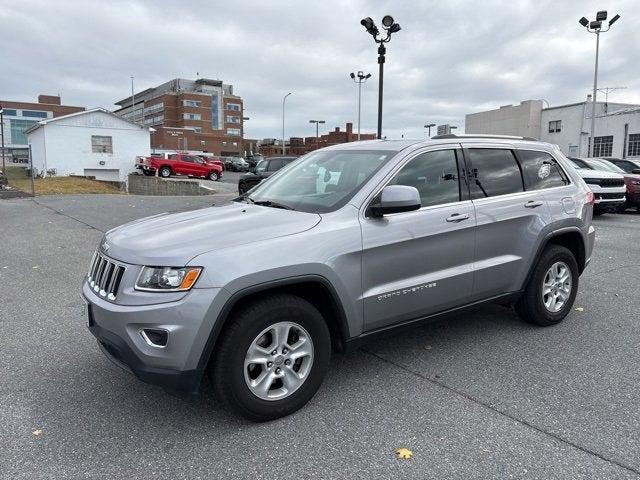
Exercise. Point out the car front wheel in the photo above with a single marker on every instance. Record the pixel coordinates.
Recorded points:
(214, 176)
(552, 288)
(165, 172)
(272, 357)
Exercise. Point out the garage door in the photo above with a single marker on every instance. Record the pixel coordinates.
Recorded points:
(107, 174)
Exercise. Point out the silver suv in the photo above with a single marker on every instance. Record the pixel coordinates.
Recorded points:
(345, 243)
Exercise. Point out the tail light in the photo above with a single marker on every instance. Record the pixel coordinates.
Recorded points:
(591, 198)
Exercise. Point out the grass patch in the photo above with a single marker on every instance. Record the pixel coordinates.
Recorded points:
(57, 185)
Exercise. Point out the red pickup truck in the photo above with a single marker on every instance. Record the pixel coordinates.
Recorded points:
(180, 164)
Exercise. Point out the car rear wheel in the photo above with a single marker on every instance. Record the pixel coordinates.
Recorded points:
(214, 176)
(272, 358)
(551, 291)
(165, 172)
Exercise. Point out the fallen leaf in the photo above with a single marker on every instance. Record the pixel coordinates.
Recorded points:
(37, 432)
(579, 309)
(404, 453)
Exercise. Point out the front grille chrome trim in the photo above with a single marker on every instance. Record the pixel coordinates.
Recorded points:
(105, 275)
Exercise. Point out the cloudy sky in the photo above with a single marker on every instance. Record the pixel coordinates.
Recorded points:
(450, 58)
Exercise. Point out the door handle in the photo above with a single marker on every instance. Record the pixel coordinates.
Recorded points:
(533, 203)
(458, 217)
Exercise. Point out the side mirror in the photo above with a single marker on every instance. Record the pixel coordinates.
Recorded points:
(396, 199)
(636, 171)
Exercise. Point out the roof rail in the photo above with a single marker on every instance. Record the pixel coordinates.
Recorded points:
(481, 135)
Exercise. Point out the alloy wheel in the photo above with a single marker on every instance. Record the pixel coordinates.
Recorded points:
(278, 361)
(556, 287)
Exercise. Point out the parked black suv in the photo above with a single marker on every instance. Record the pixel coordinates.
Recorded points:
(262, 170)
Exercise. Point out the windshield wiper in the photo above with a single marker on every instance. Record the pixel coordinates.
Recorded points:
(270, 203)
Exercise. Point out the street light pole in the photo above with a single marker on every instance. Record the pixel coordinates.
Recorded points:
(428, 127)
(390, 27)
(2, 133)
(284, 147)
(317, 122)
(133, 102)
(596, 27)
(361, 78)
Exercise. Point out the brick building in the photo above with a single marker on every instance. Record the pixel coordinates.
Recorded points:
(20, 116)
(297, 146)
(200, 115)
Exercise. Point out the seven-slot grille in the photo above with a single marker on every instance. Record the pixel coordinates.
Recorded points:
(104, 276)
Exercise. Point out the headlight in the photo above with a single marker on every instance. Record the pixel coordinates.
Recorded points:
(167, 279)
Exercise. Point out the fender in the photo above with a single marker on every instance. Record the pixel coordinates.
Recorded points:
(223, 317)
(547, 239)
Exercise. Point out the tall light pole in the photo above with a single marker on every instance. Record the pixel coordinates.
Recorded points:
(284, 146)
(361, 78)
(596, 27)
(390, 27)
(428, 127)
(241, 142)
(133, 102)
(317, 122)
(2, 133)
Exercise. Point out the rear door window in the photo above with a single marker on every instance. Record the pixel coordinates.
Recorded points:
(540, 170)
(494, 171)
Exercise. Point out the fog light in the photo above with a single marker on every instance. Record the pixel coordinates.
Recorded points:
(155, 337)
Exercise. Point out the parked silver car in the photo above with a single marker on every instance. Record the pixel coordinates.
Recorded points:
(348, 242)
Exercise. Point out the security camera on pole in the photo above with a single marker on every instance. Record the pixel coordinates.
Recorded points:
(596, 27)
(391, 27)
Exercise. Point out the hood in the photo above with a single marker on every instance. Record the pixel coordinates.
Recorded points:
(174, 239)
(585, 173)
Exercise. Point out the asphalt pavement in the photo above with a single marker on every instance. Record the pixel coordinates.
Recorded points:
(480, 395)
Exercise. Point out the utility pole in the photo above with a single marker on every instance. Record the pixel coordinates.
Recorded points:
(284, 146)
(361, 77)
(133, 101)
(2, 133)
(317, 135)
(607, 91)
(596, 27)
(391, 27)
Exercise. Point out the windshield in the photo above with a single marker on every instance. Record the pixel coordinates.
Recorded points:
(606, 166)
(321, 181)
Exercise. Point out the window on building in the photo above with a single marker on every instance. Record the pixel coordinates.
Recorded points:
(101, 144)
(633, 149)
(233, 131)
(197, 129)
(555, 126)
(191, 103)
(34, 113)
(540, 170)
(234, 106)
(156, 107)
(192, 116)
(434, 174)
(495, 172)
(233, 119)
(17, 128)
(603, 146)
(9, 113)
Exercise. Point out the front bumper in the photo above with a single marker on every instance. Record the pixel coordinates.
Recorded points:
(188, 321)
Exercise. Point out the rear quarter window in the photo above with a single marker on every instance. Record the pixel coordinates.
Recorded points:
(540, 170)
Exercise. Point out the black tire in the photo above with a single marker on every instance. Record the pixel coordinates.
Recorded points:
(165, 172)
(227, 368)
(148, 173)
(213, 176)
(531, 306)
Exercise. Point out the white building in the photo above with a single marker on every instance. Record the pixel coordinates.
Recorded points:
(617, 126)
(94, 143)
